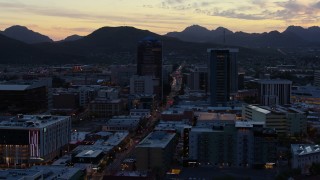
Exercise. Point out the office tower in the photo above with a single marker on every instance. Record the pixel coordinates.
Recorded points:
(197, 79)
(223, 75)
(149, 62)
(28, 139)
(274, 92)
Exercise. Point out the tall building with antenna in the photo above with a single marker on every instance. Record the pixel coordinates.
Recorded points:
(223, 75)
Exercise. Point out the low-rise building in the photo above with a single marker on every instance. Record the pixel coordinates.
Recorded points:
(155, 152)
(102, 107)
(242, 144)
(304, 155)
(27, 139)
(122, 123)
(285, 120)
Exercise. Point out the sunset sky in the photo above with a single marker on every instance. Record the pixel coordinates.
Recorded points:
(61, 18)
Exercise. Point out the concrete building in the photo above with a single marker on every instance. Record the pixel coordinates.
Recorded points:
(208, 145)
(223, 75)
(243, 144)
(27, 139)
(122, 123)
(106, 108)
(197, 79)
(304, 155)
(144, 84)
(274, 92)
(87, 94)
(155, 152)
(209, 119)
(286, 120)
(64, 101)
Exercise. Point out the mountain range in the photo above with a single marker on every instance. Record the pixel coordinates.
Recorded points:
(26, 35)
(293, 36)
(119, 44)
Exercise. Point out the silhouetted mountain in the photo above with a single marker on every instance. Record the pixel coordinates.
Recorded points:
(23, 34)
(110, 45)
(196, 33)
(294, 36)
(14, 51)
(311, 34)
(72, 38)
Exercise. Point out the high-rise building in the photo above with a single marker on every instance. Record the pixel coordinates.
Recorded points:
(223, 75)
(274, 92)
(149, 60)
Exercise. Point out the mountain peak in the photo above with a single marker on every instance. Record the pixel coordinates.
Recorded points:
(294, 28)
(17, 28)
(26, 35)
(72, 38)
(195, 29)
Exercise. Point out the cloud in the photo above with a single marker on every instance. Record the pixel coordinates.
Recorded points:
(175, 1)
(233, 14)
(317, 5)
(261, 3)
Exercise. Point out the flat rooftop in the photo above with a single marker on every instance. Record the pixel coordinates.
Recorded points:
(78, 137)
(259, 109)
(14, 174)
(207, 116)
(274, 81)
(29, 121)
(223, 49)
(123, 121)
(89, 153)
(52, 172)
(157, 139)
(247, 124)
(304, 149)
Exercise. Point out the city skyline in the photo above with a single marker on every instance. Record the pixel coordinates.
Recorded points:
(60, 19)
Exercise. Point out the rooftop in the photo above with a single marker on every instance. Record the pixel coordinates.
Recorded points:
(157, 139)
(14, 174)
(89, 153)
(274, 81)
(124, 121)
(304, 149)
(29, 121)
(257, 108)
(57, 172)
(223, 49)
(247, 124)
(206, 116)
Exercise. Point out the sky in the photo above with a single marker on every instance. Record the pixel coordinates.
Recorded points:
(61, 18)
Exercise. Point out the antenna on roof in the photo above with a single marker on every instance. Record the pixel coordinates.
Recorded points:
(224, 36)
